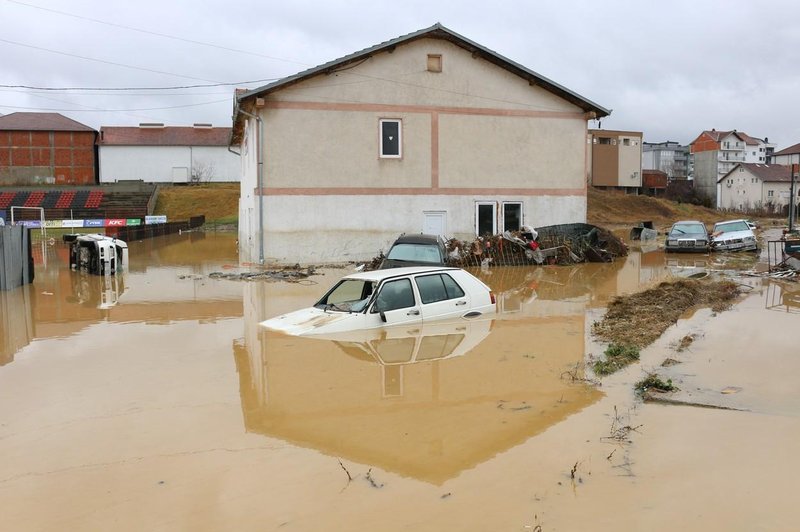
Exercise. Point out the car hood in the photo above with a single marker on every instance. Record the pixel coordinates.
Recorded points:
(309, 321)
(732, 235)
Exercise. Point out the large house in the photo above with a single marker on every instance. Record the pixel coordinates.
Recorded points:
(790, 155)
(616, 160)
(429, 132)
(756, 186)
(715, 153)
(156, 153)
(46, 149)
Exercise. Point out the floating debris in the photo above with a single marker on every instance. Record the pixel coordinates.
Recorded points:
(292, 274)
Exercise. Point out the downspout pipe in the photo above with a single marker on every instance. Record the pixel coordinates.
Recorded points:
(260, 159)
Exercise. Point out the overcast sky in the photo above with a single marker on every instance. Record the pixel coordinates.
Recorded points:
(669, 69)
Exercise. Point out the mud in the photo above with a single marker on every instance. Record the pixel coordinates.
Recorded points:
(154, 401)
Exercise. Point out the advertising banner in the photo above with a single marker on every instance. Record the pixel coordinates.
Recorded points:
(155, 219)
(71, 223)
(36, 224)
(134, 221)
(116, 222)
(52, 223)
(3, 218)
(94, 223)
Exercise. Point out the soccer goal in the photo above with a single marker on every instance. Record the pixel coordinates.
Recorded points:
(41, 217)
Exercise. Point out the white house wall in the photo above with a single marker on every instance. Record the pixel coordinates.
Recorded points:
(155, 164)
(474, 132)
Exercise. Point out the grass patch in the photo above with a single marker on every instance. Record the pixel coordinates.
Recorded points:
(639, 319)
(217, 201)
(654, 383)
(616, 357)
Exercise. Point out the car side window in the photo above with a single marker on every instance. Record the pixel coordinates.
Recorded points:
(394, 295)
(440, 287)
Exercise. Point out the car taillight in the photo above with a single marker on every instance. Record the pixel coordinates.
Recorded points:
(491, 296)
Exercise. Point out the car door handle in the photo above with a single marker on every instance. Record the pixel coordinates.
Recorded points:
(412, 313)
(459, 303)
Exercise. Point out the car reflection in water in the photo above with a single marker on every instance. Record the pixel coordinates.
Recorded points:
(427, 401)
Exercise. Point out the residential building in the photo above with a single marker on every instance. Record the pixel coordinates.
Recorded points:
(715, 153)
(156, 153)
(429, 132)
(790, 155)
(616, 159)
(669, 157)
(756, 186)
(46, 149)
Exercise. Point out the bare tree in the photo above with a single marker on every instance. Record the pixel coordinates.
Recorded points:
(202, 171)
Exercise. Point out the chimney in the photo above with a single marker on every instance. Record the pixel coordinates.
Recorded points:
(150, 125)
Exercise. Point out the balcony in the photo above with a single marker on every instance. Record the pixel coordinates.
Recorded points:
(729, 157)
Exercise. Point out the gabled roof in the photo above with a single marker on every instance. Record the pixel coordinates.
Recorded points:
(437, 31)
(791, 150)
(717, 136)
(766, 172)
(40, 122)
(164, 136)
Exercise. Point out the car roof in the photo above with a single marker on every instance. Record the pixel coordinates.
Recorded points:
(380, 275)
(731, 221)
(417, 239)
(688, 222)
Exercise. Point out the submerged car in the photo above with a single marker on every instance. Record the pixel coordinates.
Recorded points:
(416, 250)
(687, 235)
(382, 298)
(733, 235)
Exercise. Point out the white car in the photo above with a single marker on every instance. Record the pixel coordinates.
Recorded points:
(733, 235)
(382, 298)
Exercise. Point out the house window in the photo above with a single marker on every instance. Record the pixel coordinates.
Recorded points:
(391, 132)
(485, 218)
(512, 216)
(434, 62)
(604, 140)
(770, 193)
(626, 142)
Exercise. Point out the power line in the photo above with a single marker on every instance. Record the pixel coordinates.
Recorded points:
(114, 110)
(148, 32)
(105, 62)
(173, 87)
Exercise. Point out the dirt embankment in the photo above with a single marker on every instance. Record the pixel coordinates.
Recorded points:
(218, 202)
(608, 207)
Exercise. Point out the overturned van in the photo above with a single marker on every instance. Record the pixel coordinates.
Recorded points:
(97, 254)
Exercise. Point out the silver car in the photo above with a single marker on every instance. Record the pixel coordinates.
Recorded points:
(687, 235)
(733, 235)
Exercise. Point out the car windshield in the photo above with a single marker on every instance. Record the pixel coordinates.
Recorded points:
(682, 229)
(415, 253)
(349, 295)
(731, 226)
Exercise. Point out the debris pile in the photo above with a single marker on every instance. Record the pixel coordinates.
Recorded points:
(289, 274)
(556, 244)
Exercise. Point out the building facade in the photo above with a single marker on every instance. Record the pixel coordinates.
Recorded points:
(46, 149)
(757, 187)
(406, 136)
(615, 159)
(669, 157)
(787, 156)
(155, 153)
(715, 153)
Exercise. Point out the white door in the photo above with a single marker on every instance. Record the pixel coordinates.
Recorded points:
(434, 223)
(180, 174)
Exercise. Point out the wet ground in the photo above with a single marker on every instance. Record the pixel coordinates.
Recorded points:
(154, 401)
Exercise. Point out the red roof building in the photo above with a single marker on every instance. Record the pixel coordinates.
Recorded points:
(46, 148)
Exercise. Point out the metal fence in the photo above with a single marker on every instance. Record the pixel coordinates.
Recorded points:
(16, 258)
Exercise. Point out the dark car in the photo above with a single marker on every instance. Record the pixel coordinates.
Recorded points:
(416, 250)
(687, 235)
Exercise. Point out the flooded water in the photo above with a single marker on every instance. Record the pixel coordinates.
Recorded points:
(155, 401)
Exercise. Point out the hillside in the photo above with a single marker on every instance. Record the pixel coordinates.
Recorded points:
(218, 202)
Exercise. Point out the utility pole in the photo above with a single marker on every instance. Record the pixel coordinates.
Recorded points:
(792, 205)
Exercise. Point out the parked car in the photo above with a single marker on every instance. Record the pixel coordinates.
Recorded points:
(751, 224)
(733, 235)
(416, 250)
(687, 235)
(398, 296)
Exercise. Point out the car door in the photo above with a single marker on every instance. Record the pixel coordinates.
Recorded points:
(441, 297)
(396, 303)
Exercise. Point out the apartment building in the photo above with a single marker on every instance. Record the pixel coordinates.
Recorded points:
(615, 159)
(670, 157)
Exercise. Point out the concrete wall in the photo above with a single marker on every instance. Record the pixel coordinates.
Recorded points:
(741, 190)
(167, 164)
(474, 132)
(705, 174)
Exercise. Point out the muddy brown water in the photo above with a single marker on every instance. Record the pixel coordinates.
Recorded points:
(154, 401)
